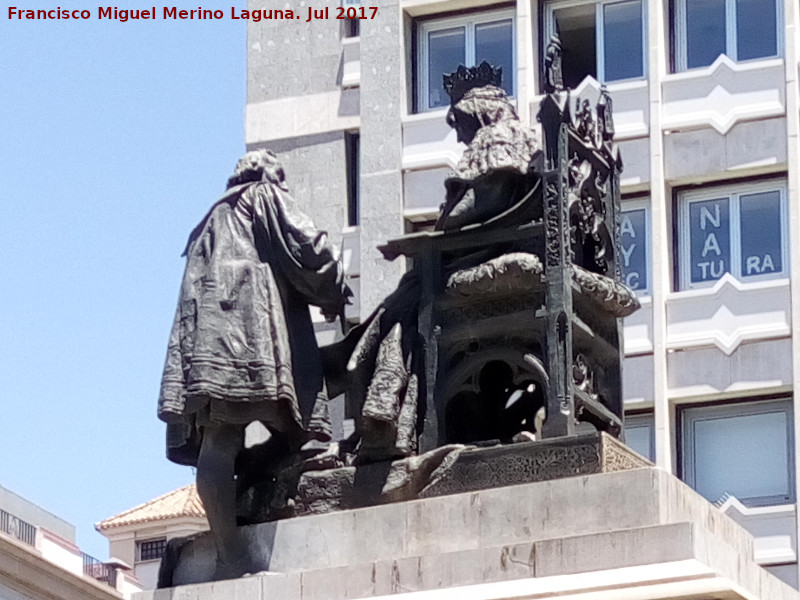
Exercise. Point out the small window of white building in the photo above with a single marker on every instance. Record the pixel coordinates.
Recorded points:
(443, 44)
(150, 549)
(741, 29)
(635, 245)
(737, 229)
(605, 40)
(742, 450)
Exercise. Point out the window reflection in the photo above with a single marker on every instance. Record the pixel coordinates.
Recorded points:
(492, 44)
(446, 50)
(622, 40)
(757, 31)
(723, 444)
(705, 31)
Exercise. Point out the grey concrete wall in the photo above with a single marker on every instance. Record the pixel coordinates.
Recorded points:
(383, 92)
(752, 365)
(706, 152)
(293, 58)
(35, 515)
(637, 378)
(636, 161)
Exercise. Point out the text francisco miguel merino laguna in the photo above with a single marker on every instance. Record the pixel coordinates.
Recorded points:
(199, 13)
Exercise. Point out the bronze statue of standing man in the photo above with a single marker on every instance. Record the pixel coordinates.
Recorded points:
(242, 347)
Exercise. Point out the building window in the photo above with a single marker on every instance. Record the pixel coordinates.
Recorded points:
(640, 434)
(351, 28)
(352, 143)
(740, 29)
(635, 245)
(604, 40)
(736, 229)
(742, 450)
(150, 549)
(443, 44)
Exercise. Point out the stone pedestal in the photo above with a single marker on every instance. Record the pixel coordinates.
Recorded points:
(454, 469)
(618, 530)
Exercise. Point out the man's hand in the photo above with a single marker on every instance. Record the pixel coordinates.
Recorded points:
(330, 315)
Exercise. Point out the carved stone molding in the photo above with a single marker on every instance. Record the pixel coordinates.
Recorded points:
(729, 313)
(496, 306)
(618, 457)
(724, 94)
(517, 272)
(614, 296)
(476, 469)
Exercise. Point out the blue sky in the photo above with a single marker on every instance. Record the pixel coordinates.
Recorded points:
(114, 140)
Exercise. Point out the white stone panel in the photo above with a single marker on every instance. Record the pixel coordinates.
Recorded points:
(637, 381)
(418, 8)
(351, 251)
(723, 94)
(635, 154)
(728, 314)
(429, 142)
(301, 115)
(638, 329)
(774, 529)
(147, 573)
(128, 584)
(752, 147)
(423, 192)
(755, 367)
(351, 62)
(351, 259)
(61, 552)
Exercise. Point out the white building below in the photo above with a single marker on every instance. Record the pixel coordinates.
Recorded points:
(39, 559)
(139, 536)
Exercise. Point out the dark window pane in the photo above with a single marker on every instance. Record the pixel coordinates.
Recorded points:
(351, 27)
(446, 50)
(705, 31)
(351, 153)
(709, 227)
(622, 40)
(633, 243)
(576, 27)
(761, 233)
(756, 29)
(152, 550)
(494, 44)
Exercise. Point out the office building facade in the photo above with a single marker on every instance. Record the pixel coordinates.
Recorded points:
(706, 113)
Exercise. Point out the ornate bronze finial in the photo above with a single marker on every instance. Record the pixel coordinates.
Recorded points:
(466, 78)
(605, 118)
(553, 77)
(584, 121)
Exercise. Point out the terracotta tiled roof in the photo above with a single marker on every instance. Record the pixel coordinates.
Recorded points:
(183, 502)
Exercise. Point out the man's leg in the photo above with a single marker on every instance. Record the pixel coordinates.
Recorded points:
(216, 486)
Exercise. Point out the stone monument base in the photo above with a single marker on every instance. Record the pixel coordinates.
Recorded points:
(618, 530)
(457, 468)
